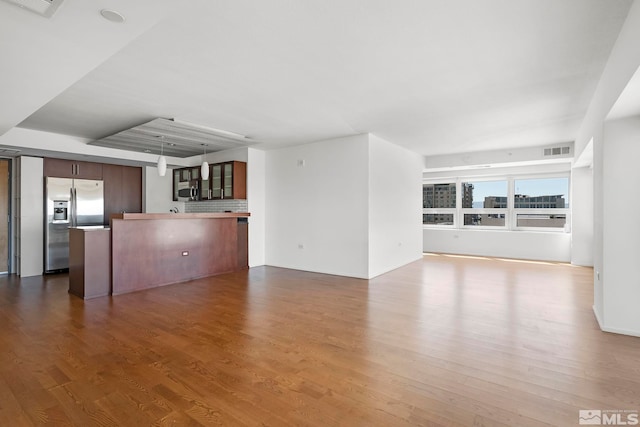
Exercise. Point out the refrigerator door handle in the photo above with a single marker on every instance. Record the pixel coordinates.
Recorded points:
(74, 208)
(71, 207)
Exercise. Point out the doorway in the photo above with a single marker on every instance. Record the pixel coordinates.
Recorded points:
(5, 203)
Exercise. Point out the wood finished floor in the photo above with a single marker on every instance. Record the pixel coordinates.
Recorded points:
(442, 341)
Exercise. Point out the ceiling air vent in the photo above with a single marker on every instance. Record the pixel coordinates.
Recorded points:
(44, 8)
(556, 151)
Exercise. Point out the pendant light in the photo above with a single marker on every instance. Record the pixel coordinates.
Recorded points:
(204, 169)
(162, 160)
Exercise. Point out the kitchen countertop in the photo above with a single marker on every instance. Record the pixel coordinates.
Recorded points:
(135, 216)
(90, 227)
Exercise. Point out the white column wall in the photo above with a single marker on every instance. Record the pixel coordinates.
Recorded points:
(256, 200)
(30, 203)
(395, 206)
(317, 207)
(620, 272)
(598, 228)
(582, 216)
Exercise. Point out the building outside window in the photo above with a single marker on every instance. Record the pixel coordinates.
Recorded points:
(539, 203)
(439, 203)
(484, 207)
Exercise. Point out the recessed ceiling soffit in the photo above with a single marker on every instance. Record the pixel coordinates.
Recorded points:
(175, 138)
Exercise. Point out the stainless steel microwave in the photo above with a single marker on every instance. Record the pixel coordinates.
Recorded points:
(187, 191)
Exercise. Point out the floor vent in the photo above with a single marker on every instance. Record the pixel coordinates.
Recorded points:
(556, 151)
(44, 8)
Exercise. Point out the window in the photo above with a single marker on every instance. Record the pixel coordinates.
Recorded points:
(484, 194)
(439, 204)
(437, 219)
(527, 203)
(484, 203)
(541, 193)
(439, 196)
(485, 220)
(541, 220)
(541, 203)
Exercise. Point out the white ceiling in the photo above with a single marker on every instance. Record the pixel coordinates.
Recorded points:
(434, 76)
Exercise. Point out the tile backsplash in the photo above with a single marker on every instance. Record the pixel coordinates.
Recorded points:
(216, 206)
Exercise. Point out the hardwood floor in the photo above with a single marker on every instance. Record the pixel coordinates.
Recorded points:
(442, 341)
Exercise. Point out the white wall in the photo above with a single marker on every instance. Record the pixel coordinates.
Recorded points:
(513, 156)
(30, 211)
(240, 154)
(582, 216)
(620, 273)
(347, 206)
(158, 191)
(395, 206)
(485, 173)
(256, 201)
(539, 246)
(317, 212)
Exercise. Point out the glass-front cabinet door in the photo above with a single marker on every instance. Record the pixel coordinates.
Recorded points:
(227, 182)
(216, 181)
(205, 187)
(176, 183)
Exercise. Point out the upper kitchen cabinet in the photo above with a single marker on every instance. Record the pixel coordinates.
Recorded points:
(228, 180)
(122, 190)
(72, 169)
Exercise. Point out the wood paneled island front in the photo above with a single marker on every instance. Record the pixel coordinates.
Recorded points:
(151, 250)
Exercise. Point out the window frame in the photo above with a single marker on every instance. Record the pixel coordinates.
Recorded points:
(510, 212)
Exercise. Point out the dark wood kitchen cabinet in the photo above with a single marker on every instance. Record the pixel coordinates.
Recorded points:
(228, 180)
(61, 168)
(122, 190)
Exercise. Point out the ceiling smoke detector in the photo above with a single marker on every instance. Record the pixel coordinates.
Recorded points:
(44, 8)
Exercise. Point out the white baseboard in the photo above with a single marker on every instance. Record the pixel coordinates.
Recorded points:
(614, 330)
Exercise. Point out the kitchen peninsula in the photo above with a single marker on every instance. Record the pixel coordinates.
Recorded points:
(157, 249)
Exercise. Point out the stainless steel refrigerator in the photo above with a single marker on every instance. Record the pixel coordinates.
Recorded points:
(69, 203)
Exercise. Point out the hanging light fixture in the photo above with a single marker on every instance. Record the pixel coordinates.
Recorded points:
(162, 160)
(204, 169)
